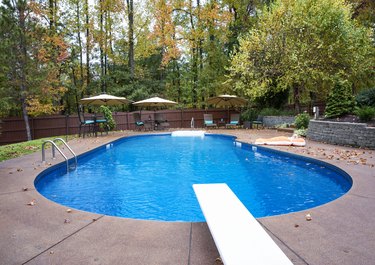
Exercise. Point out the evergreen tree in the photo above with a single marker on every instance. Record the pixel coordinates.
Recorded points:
(340, 100)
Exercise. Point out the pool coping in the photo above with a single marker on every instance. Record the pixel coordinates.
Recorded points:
(340, 232)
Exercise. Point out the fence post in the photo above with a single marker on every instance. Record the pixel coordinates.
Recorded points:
(66, 127)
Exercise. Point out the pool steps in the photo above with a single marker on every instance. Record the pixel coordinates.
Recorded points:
(54, 146)
(238, 236)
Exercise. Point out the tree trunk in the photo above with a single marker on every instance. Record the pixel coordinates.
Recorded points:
(22, 65)
(195, 77)
(296, 96)
(101, 46)
(106, 29)
(79, 44)
(200, 41)
(87, 43)
(177, 83)
(52, 14)
(194, 64)
(131, 38)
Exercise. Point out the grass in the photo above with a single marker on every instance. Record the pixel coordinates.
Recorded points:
(19, 149)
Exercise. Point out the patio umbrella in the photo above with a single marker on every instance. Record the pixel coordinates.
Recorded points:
(155, 102)
(104, 99)
(226, 101)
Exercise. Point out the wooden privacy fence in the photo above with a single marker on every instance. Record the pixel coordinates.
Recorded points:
(13, 129)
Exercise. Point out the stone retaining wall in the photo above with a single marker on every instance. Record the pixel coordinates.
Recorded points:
(342, 133)
(272, 121)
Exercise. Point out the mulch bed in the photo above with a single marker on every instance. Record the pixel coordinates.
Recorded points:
(350, 118)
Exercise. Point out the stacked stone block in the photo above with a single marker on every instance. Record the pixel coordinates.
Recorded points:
(342, 133)
(273, 121)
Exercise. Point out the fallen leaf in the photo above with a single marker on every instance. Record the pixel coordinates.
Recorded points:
(32, 203)
(308, 217)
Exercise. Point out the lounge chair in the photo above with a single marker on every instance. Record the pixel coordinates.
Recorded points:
(160, 122)
(208, 121)
(234, 121)
(139, 124)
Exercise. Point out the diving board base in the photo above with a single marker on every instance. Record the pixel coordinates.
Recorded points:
(238, 236)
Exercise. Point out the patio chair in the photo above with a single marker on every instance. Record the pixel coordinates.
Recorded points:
(89, 124)
(234, 121)
(139, 124)
(160, 122)
(258, 122)
(208, 121)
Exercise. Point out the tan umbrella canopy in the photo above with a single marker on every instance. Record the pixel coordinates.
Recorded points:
(155, 102)
(105, 99)
(227, 101)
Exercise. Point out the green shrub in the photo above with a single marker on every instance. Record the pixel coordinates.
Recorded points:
(340, 101)
(249, 115)
(365, 114)
(366, 98)
(302, 121)
(301, 132)
(111, 124)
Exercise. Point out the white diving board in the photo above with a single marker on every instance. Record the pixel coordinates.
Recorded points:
(238, 236)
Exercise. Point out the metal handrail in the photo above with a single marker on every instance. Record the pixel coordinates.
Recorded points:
(58, 149)
(53, 153)
(70, 149)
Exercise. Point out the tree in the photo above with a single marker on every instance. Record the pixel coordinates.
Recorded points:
(363, 11)
(33, 57)
(301, 46)
(340, 101)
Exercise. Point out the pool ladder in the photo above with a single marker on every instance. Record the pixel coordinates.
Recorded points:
(54, 146)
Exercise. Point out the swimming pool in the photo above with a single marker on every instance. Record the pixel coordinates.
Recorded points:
(151, 176)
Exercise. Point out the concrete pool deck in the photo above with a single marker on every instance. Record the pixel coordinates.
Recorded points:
(340, 232)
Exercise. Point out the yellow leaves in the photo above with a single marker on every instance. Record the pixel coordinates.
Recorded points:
(45, 100)
(36, 108)
(36, 8)
(52, 48)
(182, 26)
(164, 32)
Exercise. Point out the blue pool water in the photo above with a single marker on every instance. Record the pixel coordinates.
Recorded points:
(151, 177)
